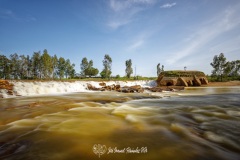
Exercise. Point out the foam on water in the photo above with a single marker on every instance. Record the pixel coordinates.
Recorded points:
(53, 87)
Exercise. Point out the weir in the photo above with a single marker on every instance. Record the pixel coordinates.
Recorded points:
(182, 78)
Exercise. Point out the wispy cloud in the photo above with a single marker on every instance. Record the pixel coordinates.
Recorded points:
(6, 14)
(168, 5)
(9, 14)
(136, 44)
(124, 11)
(221, 23)
(119, 5)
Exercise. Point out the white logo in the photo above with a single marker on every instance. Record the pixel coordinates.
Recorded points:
(99, 149)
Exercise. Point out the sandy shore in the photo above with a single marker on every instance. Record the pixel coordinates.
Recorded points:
(230, 83)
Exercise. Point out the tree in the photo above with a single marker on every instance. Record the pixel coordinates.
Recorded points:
(5, 70)
(23, 69)
(36, 65)
(69, 69)
(29, 66)
(158, 69)
(128, 69)
(218, 64)
(84, 67)
(46, 62)
(72, 71)
(61, 67)
(107, 64)
(232, 68)
(54, 66)
(15, 65)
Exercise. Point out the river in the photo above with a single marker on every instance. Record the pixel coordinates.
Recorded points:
(197, 123)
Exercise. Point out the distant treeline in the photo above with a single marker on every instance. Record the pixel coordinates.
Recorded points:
(224, 70)
(39, 66)
(44, 66)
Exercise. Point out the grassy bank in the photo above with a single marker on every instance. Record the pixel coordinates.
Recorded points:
(91, 79)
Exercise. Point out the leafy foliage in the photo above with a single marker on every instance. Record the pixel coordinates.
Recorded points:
(107, 65)
(87, 68)
(159, 69)
(128, 69)
(223, 69)
(39, 66)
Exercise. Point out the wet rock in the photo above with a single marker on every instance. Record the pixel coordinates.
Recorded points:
(155, 89)
(102, 84)
(140, 90)
(117, 87)
(89, 86)
(8, 87)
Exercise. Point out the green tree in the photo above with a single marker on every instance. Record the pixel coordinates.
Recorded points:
(29, 67)
(91, 71)
(15, 65)
(5, 70)
(69, 70)
(107, 64)
(158, 69)
(87, 68)
(23, 66)
(61, 67)
(46, 62)
(72, 71)
(128, 69)
(232, 69)
(36, 65)
(218, 64)
(84, 67)
(54, 66)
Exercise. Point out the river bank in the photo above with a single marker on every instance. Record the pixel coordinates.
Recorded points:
(229, 83)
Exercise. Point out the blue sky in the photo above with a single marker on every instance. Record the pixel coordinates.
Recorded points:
(175, 33)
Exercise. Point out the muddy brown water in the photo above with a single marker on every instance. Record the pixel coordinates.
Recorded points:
(197, 123)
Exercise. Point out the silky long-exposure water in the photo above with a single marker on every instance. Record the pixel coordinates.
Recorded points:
(197, 123)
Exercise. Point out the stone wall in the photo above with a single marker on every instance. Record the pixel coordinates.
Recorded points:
(182, 78)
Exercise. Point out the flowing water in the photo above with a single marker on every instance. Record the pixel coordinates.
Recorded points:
(197, 123)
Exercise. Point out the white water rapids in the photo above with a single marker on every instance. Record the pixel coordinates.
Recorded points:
(24, 88)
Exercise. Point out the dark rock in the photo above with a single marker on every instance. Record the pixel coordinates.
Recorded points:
(102, 84)
(89, 86)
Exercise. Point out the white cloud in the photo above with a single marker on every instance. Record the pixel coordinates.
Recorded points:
(5, 13)
(221, 23)
(168, 5)
(118, 23)
(119, 5)
(136, 44)
(124, 11)
(9, 14)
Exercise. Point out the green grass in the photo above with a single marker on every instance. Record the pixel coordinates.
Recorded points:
(93, 79)
(224, 78)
